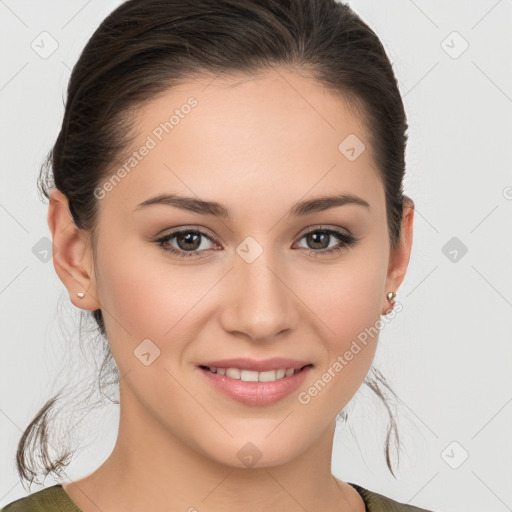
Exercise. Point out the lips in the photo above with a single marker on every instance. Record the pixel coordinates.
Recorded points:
(256, 393)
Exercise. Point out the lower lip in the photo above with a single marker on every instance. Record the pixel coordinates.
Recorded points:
(256, 393)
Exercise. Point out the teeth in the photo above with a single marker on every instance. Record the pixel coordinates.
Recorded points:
(249, 376)
(254, 376)
(234, 373)
(267, 376)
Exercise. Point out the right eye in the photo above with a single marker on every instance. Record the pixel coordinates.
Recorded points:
(189, 239)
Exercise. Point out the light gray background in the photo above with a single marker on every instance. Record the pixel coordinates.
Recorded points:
(447, 354)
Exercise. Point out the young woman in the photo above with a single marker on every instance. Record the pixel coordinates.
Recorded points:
(226, 199)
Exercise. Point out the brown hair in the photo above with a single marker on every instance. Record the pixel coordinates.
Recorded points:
(144, 47)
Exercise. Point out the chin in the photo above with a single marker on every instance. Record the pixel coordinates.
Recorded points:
(255, 452)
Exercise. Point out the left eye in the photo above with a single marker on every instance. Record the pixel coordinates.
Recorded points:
(189, 240)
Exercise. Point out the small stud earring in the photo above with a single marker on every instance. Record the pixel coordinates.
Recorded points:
(80, 294)
(391, 297)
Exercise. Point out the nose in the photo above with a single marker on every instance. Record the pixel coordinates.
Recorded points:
(259, 301)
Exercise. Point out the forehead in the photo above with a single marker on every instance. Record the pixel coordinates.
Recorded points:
(276, 133)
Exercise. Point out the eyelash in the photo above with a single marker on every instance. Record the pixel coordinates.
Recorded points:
(345, 239)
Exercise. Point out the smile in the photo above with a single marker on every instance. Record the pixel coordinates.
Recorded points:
(252, 375)
(255, 388)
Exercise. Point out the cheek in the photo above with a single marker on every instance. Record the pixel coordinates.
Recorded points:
(144, 296)
(352, 315)
(346, 298)
(133, 297)
(348, 303)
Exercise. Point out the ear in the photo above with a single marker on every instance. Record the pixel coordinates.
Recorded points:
(72, 254)
(399, 256)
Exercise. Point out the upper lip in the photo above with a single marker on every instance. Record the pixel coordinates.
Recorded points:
(245, 363)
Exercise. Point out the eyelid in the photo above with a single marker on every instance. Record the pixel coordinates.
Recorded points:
(210, 233)
(204, 232)
(321, 227)
(213, 238)
(186, 227)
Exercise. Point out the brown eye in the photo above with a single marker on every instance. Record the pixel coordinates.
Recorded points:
(319, 239)
(188, 242)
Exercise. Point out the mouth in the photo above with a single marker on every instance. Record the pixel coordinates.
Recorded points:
(254, 375)
(255, 383)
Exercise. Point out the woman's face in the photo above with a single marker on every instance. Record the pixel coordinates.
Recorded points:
(257, 284)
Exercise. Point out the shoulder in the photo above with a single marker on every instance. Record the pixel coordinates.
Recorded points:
(376, 502)
(51, 499)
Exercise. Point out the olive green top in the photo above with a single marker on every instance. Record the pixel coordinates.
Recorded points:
(56, 499)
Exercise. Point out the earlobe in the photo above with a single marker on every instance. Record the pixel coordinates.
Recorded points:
(71, 255)
(390, 297)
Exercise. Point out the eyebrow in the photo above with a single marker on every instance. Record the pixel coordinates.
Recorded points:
(216, 209)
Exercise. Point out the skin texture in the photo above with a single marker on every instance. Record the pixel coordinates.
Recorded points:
(257, 145)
